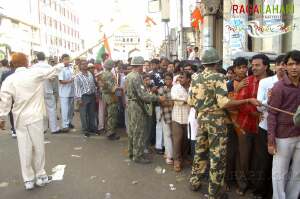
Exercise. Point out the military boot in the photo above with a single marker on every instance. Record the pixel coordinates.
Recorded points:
(142, 160)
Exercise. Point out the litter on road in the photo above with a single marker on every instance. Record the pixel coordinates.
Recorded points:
(77, 148)
(58, 172)
(134, 182)
(3, 184)
(160, 170)
(172, 187)
(76, 156)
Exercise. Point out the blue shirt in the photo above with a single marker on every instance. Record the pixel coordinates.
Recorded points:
(66, 90)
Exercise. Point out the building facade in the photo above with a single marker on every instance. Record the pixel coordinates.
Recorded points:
(59, 28)
(51, 26)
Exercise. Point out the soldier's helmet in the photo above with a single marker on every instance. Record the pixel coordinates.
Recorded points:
(109, 64)
(210, 56)
(137, 61)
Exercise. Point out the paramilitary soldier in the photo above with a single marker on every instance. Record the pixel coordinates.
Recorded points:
(208, 95)
(137, 111)
(108, 86)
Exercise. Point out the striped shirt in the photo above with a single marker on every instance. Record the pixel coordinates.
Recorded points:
(84, 84)
(180, 112)
(166, 111)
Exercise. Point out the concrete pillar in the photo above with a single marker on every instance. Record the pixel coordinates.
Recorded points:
(209, 9)
(290, 40)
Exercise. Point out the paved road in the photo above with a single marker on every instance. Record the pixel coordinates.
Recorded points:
(101, 168)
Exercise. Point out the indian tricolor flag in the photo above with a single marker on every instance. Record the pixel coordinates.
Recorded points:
(104, 49)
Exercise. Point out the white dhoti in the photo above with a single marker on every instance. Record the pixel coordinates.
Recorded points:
(159, 142)
(31, 150)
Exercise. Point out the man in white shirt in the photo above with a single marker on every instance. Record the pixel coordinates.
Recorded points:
(194, 54)
(50, 101)
(263, 186)
(180, 114)
(66, 93)
(25, 87)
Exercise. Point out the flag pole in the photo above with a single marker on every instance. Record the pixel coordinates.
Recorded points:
(91, 48)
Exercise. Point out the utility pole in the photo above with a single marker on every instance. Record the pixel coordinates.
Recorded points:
(181, 50)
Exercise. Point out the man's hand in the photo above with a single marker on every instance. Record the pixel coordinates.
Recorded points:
(241, 85)
(80, 103)
(272, 149)
(2, 124)
(154, 89)
(254, 102)
(162, 99)
(269, 93)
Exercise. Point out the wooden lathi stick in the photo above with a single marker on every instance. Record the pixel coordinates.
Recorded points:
(279, 110)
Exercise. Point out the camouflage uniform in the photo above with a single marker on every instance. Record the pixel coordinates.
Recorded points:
(208, 95)
(296, 117)
(108, 86)
(137, 117)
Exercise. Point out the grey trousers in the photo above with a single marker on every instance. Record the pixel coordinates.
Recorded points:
(286, 169)
(88, 113)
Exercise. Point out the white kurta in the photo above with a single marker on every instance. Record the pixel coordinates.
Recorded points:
(50, 100)
(26, 88)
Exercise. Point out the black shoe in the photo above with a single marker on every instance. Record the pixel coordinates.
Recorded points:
(113, 137)
(142, 161)
(159, 151)
(241, 191)
(65, 130)
(87, 135)
(96, 132)
(71, 126)
(56, 132)
(194, 188)
(223, 196)
(257, 195)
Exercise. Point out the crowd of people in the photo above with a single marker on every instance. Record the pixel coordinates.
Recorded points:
(237, 128)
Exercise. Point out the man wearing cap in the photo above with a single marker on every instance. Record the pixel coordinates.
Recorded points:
(208, 95)
(108, 86)
(85, 90)
(137, 113)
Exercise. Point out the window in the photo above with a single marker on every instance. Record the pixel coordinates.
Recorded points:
(46, 38)
(55, 24)
(45, 19)
(60, 26)
(64, 28)
(60, 42)
(50, 21)
(69, 46)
